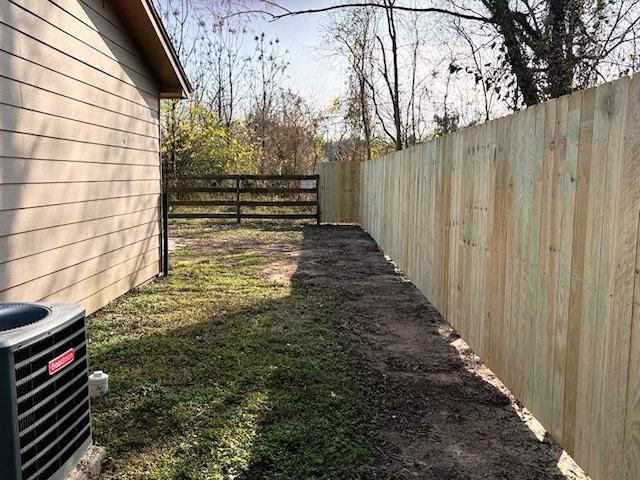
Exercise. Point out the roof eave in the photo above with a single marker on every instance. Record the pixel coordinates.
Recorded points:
(146, 28)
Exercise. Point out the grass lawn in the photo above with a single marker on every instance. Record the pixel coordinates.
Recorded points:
(218, 372)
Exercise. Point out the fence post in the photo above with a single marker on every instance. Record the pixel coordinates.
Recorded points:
(317, 199)
(238, 197)
(165, 234)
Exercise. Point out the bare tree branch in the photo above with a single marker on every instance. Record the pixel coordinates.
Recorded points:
(290, 13)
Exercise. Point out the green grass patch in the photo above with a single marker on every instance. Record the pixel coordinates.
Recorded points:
(218, 373)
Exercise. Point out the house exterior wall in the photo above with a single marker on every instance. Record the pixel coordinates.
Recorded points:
(80, 175)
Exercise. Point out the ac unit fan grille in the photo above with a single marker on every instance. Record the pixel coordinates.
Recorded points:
(53, 410)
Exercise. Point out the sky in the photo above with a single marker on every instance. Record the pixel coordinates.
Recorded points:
(319, 76)
(313, 72)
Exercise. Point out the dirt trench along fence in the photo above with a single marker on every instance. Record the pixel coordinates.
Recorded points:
(524, 233)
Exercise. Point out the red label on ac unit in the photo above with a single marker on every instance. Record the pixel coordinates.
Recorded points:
(61, 361)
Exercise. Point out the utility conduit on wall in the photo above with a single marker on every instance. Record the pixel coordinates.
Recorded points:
(524, 233)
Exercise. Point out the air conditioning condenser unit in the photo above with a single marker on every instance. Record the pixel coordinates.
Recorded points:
(45, 424)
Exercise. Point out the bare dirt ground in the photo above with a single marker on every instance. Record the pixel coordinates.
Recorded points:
(437, 412)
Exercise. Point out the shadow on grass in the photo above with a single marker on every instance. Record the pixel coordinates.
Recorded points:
(228, 385)
(217, 372)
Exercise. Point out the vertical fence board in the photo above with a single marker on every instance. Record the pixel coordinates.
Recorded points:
(339, 191)
(529, 357)
(454, 286)
(518, 331)
(616, 288)
(488, 240)
(589, 372)
(557, 167)
(632, 425)
(578, 259)
(547, 266)
(496, 280)
(444, 165)
(567, 137)
(464, 274)
(511, 143)
(630, 217)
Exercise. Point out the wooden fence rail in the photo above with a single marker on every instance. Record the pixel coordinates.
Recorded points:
(524, 232)
(244, 193)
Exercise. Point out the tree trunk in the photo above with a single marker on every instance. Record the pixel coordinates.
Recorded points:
(503, 18)
(395, 97)
(560, 73)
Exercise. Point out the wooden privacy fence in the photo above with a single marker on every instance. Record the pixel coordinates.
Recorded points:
(524, 233)
(339, 191)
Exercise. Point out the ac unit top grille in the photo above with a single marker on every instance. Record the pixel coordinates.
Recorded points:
(15, 315)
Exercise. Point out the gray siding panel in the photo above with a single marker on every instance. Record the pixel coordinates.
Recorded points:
(79, 155)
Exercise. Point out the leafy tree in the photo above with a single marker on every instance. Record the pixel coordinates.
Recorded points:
(239, 118)
(196, 142)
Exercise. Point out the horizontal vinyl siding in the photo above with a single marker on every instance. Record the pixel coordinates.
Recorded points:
(26, 73)
(85, 26)
(21, 220)
(61, 127)
(79, 159)
(73, 275)
(140, 275)
(96, 197)
(27, 244)
(20, 170)
(12, 144)
(43, 101)
(49, 45)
